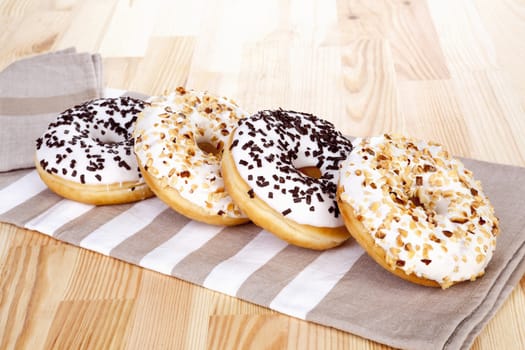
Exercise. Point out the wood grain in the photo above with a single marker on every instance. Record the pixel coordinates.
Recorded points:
(446, 70)
(369, 79)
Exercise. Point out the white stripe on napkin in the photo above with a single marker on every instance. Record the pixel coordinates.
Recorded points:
(228, 276)
(190, 238)
(20, 191)
(58, 215)
(113, 232)
(312, 284)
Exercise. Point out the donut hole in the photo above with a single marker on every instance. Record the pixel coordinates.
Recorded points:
(106, 138)
(441, 206)
(306, 166)
(431, 209)
(311, 171)
(108, 141)
(208, 148)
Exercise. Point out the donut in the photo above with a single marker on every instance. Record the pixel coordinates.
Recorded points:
(417, 211)
(86, 154)
(179, 139)
(282, 167)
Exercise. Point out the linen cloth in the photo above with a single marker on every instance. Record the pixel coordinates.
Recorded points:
(34, 90)
(340, 287)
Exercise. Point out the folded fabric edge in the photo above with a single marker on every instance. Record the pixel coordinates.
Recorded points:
(99, 73)
(470, 327)
(467, 331)
(39, 55)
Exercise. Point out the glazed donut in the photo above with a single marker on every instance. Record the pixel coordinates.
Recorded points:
(179, 141)
(417, 211)
(86, 153)
(263, 171)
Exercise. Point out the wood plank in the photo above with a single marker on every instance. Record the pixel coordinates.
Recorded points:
(371, 103)
(279, 80)
(89, 324)
(432, 111)
(121, 71)
(489, 120)
(166, 65)
(408, 29)
(34, 282)
(129, 29)
(95, 15)
(159, 312)
(98, 277)
(504, 22)
(247, 332)
(39, 33)
(463, 38)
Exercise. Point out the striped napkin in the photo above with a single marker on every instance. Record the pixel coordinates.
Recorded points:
(341, 287)
(34, 90)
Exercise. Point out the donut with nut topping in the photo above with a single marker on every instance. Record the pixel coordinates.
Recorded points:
(417, 211)
(179, 140)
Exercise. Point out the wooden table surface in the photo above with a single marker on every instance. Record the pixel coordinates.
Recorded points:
(452, 71)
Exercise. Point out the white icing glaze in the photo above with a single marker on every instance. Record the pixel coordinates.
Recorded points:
(438, 225)
(91, 143)
(167, 135)
(269, 148)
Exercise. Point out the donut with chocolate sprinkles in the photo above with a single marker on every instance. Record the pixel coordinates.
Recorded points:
(179, 140)
(417, 211)
(282, 167)
(86, 153)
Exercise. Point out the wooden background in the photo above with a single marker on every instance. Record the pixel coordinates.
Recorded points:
(452, 71)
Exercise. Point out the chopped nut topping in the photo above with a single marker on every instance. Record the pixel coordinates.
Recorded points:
(380, 235)
(447, 233)
(429, 168)
(459, 220)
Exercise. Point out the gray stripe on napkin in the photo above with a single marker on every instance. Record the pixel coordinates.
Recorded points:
(165, 226)
(371, 302)
(264, 285)
(77, 229)
(20, 137)
(196, 266)
(8, 178)
(27, 210)
(30, 106)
